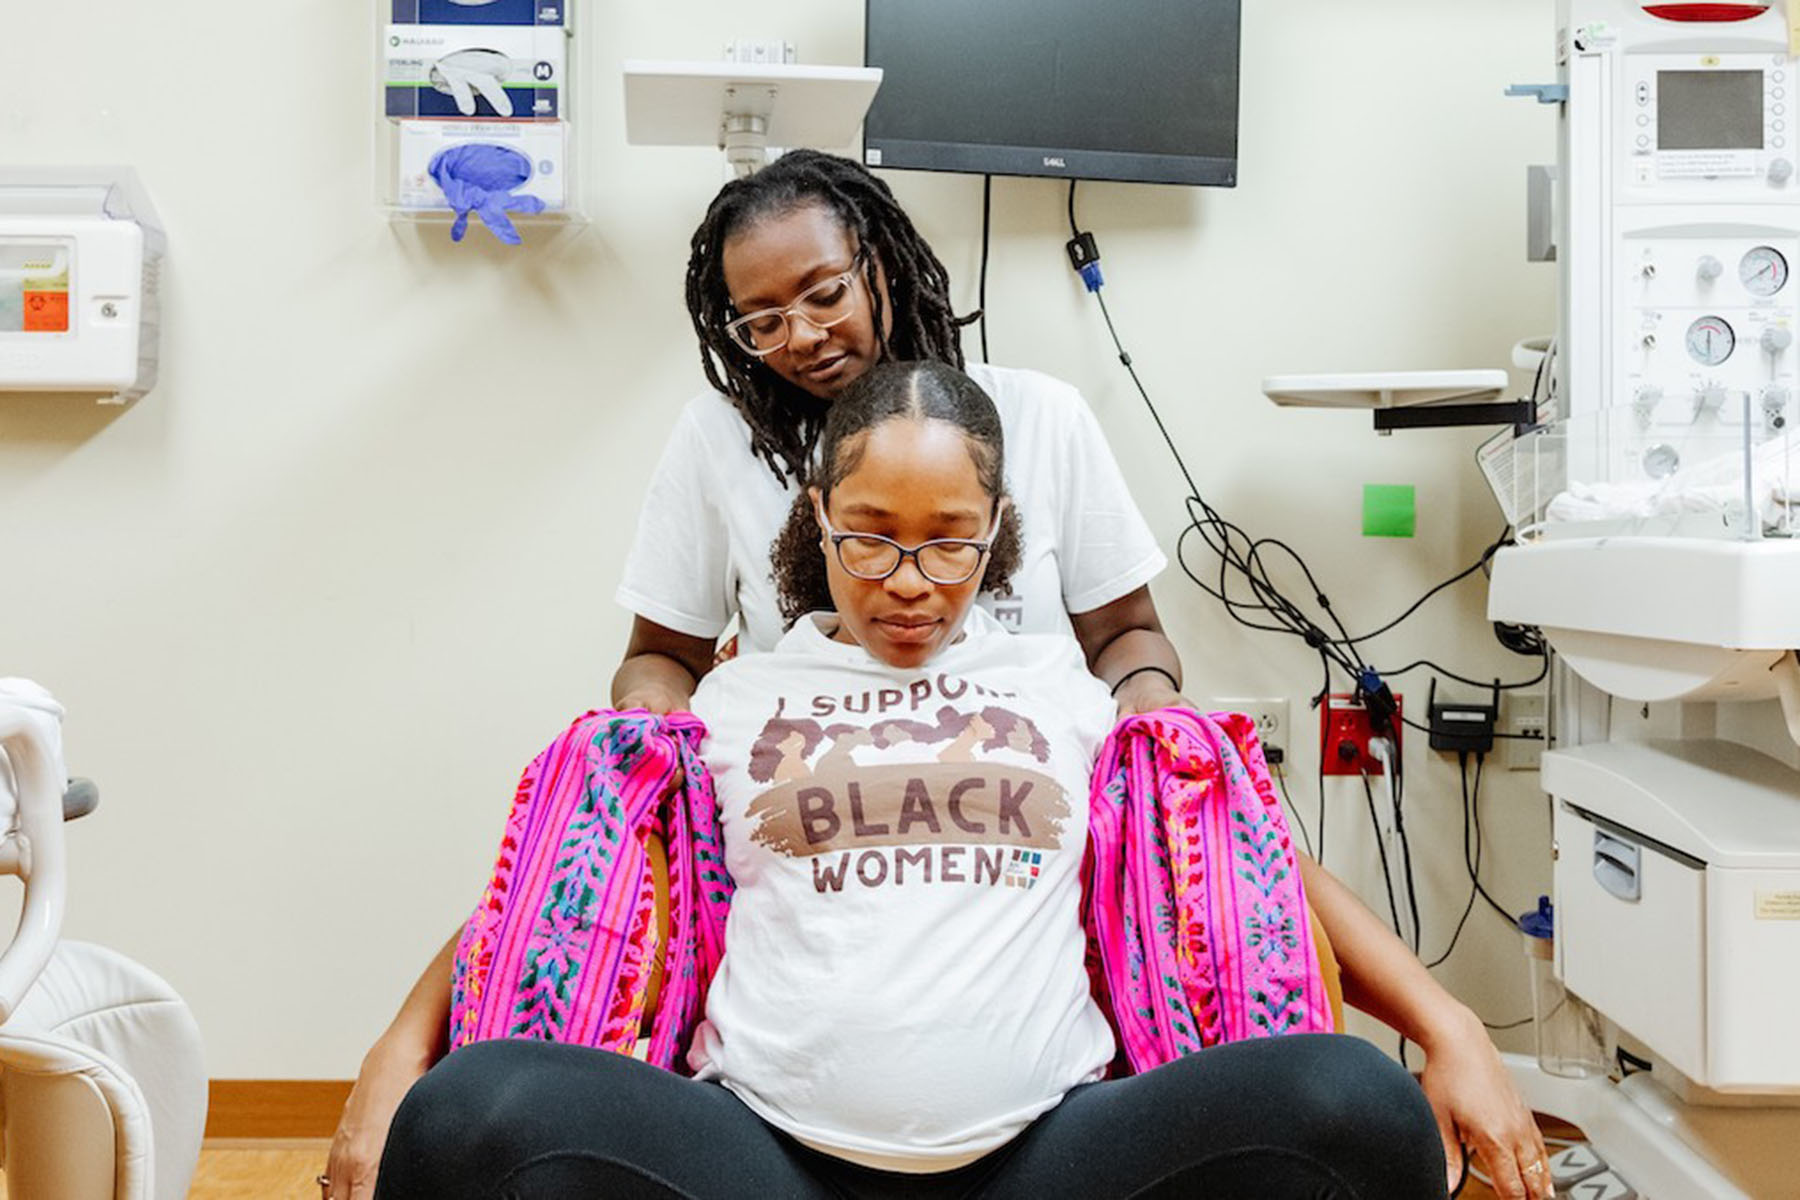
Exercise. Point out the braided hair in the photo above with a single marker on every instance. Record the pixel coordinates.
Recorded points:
(919, 391)
(785, 420)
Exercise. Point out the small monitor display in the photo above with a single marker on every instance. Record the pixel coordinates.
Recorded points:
(1709, 110)
(1121, 89)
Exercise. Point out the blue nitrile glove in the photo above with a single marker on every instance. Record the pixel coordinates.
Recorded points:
(479, 177)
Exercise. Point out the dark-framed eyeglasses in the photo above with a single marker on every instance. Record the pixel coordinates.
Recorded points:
(946, 562)
(828, 302)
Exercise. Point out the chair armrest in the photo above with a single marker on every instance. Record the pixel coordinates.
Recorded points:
(1328, 969)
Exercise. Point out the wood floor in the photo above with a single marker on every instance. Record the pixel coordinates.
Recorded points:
(277, 1169)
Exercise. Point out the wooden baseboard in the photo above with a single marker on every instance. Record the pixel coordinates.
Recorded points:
(274, 1108)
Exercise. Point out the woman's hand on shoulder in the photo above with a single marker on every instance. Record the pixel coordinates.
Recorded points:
(1476, 1105)
(1148, 691)
(384, 1080)
(657, 698)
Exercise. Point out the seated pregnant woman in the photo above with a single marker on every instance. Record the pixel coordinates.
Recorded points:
(902, 1008)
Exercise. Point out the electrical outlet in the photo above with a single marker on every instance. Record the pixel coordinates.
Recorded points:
(1523, 714)
(1344, 736)
(1271, 717)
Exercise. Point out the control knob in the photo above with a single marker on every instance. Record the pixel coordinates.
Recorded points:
(1774, 405)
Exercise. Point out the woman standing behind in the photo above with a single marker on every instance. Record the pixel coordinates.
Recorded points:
(801, 278)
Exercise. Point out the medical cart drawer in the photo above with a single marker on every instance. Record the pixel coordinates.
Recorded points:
(1678, 902)
(1630, 934)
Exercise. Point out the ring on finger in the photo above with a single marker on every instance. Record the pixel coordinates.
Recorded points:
(1535, 1167)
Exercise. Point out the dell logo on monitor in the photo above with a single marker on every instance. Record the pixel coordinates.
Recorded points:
(1057, 161)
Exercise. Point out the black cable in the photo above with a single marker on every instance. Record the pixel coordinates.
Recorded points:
(1390, 673)
(1521, 639)
(987, 212)
(1474, 863)
(1504, 913)
(1305, 837)
(1387, 878)
(1406, 866)
(1518, 1024)
(1514, 737)
(1325, 665)
(1469, 907)
(1461, 575)
(1410, 886)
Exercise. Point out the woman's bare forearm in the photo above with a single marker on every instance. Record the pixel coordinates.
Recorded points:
(1128, 651)
(661, 668)
(421, 1029)
(1381, 974)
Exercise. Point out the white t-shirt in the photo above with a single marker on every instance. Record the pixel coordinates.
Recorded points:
(713, 509)
(903, 982)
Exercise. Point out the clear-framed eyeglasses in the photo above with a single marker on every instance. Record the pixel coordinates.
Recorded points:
(826, 303)
(946, 562)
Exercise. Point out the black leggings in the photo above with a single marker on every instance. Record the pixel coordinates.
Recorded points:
(1315, 1116)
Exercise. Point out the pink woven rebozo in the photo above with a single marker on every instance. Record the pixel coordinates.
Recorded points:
(562, 945)
(1192, 903)
(1196, 918)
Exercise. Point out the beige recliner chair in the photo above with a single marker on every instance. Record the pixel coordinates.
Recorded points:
(102, 1084)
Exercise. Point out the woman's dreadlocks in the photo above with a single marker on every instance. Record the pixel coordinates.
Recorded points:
(784, 420)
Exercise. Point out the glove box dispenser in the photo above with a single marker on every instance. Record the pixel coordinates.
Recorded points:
(477, 108)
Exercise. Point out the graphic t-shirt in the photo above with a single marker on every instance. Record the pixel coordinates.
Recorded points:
(903, 981)
(701, 552)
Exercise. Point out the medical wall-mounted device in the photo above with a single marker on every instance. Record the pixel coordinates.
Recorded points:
(80, 253)
(1681, 221)
(745, 107)
(1406, 399)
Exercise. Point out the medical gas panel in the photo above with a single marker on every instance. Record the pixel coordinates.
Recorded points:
(1678, 217)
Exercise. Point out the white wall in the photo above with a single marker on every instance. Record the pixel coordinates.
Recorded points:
(315, 601)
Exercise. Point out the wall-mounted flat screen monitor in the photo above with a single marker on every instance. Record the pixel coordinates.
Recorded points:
(1142, 90)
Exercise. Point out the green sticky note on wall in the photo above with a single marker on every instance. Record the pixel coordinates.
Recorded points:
(1388, 510)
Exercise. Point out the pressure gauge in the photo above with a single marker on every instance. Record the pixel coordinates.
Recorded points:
(1710, 340)
(1763, 271)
